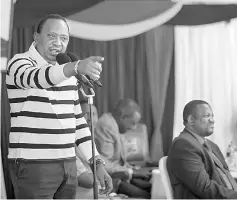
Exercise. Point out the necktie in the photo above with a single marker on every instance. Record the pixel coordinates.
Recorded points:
(220, 165)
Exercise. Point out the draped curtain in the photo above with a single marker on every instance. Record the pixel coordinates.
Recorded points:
(206, 58)
(159, 46)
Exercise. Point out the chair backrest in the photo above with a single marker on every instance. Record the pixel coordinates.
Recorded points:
(165, 177)
(136, 145)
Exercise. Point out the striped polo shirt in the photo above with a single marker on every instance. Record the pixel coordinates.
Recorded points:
(46, 117)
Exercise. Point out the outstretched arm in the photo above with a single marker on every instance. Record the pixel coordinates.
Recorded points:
(24, 72)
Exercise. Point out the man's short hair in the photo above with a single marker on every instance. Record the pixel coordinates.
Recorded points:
(45, 18)
(126, 107)
(190, 109)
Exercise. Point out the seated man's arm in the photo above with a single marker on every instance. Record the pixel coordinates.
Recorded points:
(105, 142)
(187, 165)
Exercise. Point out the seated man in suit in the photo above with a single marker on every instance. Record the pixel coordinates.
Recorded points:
(129, 181)
(196, 166)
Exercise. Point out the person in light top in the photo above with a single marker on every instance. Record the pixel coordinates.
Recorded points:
(46, 117)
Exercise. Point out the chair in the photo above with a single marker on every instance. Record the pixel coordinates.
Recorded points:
(157, 188)
(165, 178)
(136, 145)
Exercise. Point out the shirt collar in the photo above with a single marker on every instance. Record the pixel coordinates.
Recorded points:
(200, 139)
(34, 55)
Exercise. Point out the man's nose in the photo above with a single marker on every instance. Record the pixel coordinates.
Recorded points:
(57, 41)
(212, 120)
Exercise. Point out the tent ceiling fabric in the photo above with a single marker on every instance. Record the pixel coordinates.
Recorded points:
(28, 12)
(137, 17)
(117, 19)
(192, 15)
(121, 12)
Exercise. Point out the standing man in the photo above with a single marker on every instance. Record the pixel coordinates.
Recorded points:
(46, 117)
(196, 166)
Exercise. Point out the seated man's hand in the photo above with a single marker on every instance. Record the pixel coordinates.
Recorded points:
(143, 173)
(123, 175)
(104, 179)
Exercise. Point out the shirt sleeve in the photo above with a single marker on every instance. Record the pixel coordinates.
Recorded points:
(24, 73)
(83, 133)
(80, 167)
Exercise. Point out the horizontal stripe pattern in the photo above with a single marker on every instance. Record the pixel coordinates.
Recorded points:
(40, 146)
(63, 88)
(79, 141)
(22, 160)
(42, 130)
(25, 137)
(46, 117)
(43, 115)
(49, 124)
(86, 149)
(41, 154)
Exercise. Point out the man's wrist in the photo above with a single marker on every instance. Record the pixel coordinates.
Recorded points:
(76, 67)
(98, 161)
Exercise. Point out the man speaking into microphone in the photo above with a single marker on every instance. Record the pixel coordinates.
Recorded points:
(46, 117)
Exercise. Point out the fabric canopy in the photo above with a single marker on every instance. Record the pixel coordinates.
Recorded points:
(113, 20)
(117, 19)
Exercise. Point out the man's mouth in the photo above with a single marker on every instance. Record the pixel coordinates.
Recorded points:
(55, 51)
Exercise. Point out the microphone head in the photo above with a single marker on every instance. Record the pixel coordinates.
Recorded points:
(98, 83)
(63, 58)
(73, 56)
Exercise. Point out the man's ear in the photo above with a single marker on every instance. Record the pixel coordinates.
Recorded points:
(36, 37)
(190, 120)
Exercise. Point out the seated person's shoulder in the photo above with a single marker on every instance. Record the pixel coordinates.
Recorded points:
(184, 145)
(106, 121)
(105, 118)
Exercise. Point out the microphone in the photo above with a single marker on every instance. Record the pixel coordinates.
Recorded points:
(63, 58)
(74, 57)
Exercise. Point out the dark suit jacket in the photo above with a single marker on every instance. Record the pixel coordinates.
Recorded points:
(193, 174)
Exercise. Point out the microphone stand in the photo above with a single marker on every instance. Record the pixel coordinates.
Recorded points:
(90, 103)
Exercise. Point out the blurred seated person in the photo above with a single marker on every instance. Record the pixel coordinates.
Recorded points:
(109, 128)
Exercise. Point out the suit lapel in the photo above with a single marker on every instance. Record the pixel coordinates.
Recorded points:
(218, 155)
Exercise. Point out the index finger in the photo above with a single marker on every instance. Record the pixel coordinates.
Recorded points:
(97, 58)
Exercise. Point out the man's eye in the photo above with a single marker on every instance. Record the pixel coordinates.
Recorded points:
(64, 38)
(207, 115)
(51, 35)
